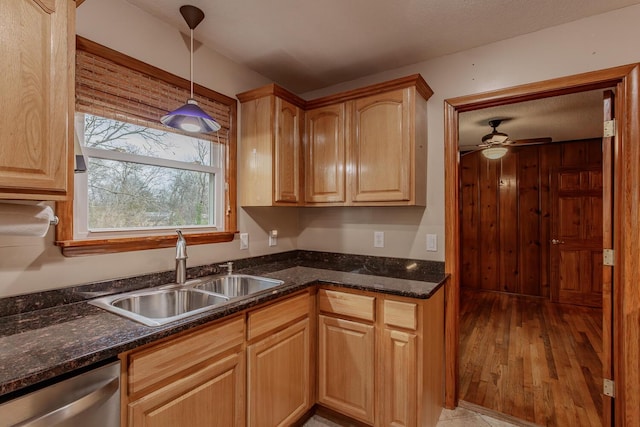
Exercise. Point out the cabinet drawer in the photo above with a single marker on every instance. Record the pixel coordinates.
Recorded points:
(400, 314)
(276, 315)
(157, 363)
(357, 306)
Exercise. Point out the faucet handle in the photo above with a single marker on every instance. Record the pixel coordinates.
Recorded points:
(228, 265)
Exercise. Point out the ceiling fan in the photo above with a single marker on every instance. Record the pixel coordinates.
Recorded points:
(493, 144)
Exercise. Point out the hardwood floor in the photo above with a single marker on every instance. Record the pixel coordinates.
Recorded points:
(531, 359)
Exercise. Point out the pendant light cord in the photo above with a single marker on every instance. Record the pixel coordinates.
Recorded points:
(191, 63)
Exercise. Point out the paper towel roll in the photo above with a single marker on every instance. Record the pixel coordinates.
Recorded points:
(23, 219)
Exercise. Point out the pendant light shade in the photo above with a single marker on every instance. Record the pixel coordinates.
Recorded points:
(190, 117)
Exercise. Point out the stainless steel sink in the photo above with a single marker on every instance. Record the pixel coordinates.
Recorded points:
(158, 306)
(237, 285)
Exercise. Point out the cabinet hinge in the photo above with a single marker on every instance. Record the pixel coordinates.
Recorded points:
(610, 128)
(609, 387)
(607, 257)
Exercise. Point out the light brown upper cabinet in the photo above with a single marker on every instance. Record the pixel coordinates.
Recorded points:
(36, 82)
(385, 145)
(365, 147)
(270, 155)
(388, 150)
(325, 155)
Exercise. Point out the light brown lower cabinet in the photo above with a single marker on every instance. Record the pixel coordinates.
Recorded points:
(212, 397)
(278, 377)
(380, 357)
(399, 378)
(380, 360)
(195, 379)
(346, 367)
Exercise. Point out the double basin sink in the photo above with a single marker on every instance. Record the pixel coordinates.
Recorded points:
(158, 306)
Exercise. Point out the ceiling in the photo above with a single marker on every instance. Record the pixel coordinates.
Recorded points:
(305, 45)
(563, 118)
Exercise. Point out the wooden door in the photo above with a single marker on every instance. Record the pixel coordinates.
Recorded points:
(400, 378)
(381, 159)
(607, 271)
(346, 367)
(287, 149)
(325, 159)
(210, 397)
(279, 377)
(35, 82)
(576, 236)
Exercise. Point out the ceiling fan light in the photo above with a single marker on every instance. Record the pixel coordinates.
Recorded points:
(190, 118)
(494, 153)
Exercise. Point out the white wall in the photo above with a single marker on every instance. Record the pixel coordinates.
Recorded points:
(34, 264)
(28, 264)
(590, 44)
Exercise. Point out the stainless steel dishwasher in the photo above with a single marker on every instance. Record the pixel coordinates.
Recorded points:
(88, 399)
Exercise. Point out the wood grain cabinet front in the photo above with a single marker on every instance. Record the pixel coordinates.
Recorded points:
(212, 397)
(270, 155)
(279, 367)
(364, 147)
(388, 149)
(346, 369)
(36, 83)
(197, 379)
(325, 155)
(380, 357)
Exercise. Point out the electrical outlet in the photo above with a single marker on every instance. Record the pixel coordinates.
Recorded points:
(432, 242)
(378, 239)
(273, 237)
(244, 240)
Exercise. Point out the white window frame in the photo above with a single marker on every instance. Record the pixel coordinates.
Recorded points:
(217, 192)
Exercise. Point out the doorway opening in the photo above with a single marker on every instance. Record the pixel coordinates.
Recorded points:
(520, 355)
(623, 79)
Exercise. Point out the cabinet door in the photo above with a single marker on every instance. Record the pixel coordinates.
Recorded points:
(210, 397)
(325, 154)
(35, 79)
(346, 367)
(254, 158)
(279, 383)
(381, 158)
(399, 378)
(287, 162)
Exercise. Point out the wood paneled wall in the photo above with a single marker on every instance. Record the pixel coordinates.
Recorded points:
(505, 215)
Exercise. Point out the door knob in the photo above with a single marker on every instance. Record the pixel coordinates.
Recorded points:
(557, 242)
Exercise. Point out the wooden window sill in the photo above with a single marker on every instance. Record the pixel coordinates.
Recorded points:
(73, 248)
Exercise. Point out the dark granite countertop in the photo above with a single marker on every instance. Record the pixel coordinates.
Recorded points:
(42, 344)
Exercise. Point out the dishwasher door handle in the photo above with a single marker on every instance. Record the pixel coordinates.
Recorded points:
(103, 392)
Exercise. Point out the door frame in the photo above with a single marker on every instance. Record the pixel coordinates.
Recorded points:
(626, 233)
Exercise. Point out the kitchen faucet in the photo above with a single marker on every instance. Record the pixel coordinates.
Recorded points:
(181, 259)
(228, 265)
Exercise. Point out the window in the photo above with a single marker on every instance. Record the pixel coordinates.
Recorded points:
(145, 180)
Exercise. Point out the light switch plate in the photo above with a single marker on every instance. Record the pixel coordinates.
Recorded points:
(273, 237)
(378, 239)
(244, 240)
(432, 242)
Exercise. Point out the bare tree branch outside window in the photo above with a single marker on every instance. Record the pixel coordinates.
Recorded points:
(125, 194)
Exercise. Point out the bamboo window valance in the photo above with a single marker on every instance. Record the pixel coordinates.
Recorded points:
(116, 86)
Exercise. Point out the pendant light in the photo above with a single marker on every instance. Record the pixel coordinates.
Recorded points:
(190, 117)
